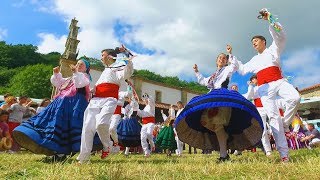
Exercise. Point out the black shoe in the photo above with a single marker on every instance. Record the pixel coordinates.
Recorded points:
(223, 159)
(59, 158)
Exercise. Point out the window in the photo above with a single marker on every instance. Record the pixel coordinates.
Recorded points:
(158, 96)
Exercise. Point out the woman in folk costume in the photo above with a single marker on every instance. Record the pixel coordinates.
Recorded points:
(102, 106)
(148, 123)
(166, 137)
(221, 119)
(129, 128)
(57, 129)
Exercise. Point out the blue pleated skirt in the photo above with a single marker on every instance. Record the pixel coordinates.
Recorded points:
(128, 132)
(57, 129)
(244, 128)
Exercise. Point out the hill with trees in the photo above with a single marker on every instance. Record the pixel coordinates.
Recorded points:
(24, 71)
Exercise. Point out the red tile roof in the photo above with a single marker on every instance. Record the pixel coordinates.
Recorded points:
(310, 88)
(160, 105)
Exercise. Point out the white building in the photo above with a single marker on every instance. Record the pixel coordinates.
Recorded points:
(163, 94)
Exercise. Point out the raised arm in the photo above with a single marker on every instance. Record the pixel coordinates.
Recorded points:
(127, 71)
(56, 79)
(279, 40)
(250, 93)
(245, 68)
(164, 116)
(201, 79)
(234, 64)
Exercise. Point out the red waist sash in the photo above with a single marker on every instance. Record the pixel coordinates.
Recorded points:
(147, 120)
(269, 74)
(107, 90)
(118, 110)
(258, 102)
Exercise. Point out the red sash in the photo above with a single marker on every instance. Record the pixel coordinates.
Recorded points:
(107, 90)
(118, 110)
(258, 102)
(281, 112)
(147, 120)
(269, 74)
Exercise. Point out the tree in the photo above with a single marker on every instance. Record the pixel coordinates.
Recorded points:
(13, 56)
(51, 58)
(33, 81)
(7, 74)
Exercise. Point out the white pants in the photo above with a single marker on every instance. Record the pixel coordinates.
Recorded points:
(265, 137)
(147, 134)
(179, 143)
(115, 119)
(96, 119)
(268, 93)
(314, 142)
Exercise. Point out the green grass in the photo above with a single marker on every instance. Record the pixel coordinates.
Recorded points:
(304, 164)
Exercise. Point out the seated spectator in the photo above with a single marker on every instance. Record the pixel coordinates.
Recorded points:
(5, 97)
(4, 130)
(312, 135)
(9, 100)
(30, 109)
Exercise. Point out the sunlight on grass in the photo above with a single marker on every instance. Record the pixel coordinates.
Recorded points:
(304, 163)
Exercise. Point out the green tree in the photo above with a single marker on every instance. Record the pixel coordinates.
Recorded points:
(51, 58)
(33, 81)
(7, 74)
(13, 56)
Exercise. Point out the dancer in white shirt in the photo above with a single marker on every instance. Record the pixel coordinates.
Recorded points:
(266, 64)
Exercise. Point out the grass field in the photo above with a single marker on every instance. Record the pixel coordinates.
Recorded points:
(304, 164)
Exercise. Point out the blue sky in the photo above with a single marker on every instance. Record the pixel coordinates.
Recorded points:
(169, 39)
(24, 22)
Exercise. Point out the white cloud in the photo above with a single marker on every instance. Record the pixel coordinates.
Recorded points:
(304, 65)
(50, 43)
(3, 33)
(183, 33)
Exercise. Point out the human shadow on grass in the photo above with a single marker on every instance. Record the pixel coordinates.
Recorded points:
(57, 159)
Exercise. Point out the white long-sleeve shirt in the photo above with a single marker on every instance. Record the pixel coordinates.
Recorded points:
(269, 57)
(123, 92)
(128, 110)
(80, 79)
(220, 75)
(179, 111)
(149, 109)
(114, 73)
(252, 93)
(172, 112)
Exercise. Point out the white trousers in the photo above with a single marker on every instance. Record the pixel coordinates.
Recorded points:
(179, 143)
(314, 142)
(96, 119)
(147, 134)
(265, 137)
(268, 94)
(115, 120)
